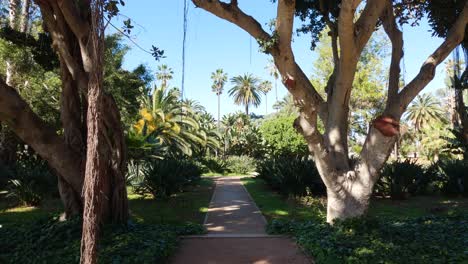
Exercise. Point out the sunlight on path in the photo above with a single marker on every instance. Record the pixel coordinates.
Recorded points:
(236, 233)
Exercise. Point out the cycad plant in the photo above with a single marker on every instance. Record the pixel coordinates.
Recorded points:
(246, 91)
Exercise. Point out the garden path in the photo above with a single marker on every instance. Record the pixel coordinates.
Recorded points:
(236, 233)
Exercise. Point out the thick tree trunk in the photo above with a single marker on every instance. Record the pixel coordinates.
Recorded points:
(71, 117)
(462, 114)
(25, 6)
(350, 199)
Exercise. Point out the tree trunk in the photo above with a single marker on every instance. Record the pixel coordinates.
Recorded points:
(25, 6)
(219, 112)
(12, 17)
(71, 117)
(462, 114)
(247, 109)
(351, 199)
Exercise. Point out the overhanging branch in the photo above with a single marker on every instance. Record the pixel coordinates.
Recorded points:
(427, 72)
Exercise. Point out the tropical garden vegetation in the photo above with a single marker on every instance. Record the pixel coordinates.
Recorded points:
(356, 162)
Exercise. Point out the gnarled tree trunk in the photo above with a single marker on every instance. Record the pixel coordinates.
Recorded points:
(349, 185)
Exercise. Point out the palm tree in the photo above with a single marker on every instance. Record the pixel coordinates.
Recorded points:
(246, 91)
(273, 71)
(164, 74)
(265, 87)
(219, 79)
(424, 110)
(173, 122)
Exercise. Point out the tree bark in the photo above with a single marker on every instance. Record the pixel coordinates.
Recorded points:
(12, 19)
(25, 6)
(19, 117)
(70, 29)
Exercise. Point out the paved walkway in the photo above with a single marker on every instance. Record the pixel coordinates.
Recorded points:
(236, 233)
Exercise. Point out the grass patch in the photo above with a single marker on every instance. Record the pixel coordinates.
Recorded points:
(275, 206)
(188, 206)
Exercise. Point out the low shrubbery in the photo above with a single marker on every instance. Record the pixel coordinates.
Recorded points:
(454, 176)
(162, 178)
(52, 241)
(240, 164)
(401, 179)
(398, 179)
(292, 176)
(422, 240)
(29, 181)
(213, 165)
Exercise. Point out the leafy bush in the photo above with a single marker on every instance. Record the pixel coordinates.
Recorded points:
(281, 137)
(24, 192)
(240, 164)
(6, 174)
(213, 165)
(292, 176)
(422, 240)
(398, 179)
(454, 175)
(52, 241)
(162, 178)
(30, 180)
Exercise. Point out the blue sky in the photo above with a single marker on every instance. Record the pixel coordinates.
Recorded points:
(214, 43)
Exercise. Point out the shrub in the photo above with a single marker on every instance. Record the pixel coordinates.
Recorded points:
(240, 164)
(162, 178)
(431, 239)
(24, 192)
(398, 179)
(454, 175)
(213, 165)
(30, 180)
(281, 137)
(292, 176)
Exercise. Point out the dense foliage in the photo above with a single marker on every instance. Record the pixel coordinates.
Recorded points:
(401, 179)
(430, 239)
(281, 138)
(53, 241)
(162, 178)
(292, 176)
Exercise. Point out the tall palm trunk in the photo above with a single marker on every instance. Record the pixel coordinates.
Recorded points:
(12, 17)
(219, 111)
(25, 6)
(247, 109)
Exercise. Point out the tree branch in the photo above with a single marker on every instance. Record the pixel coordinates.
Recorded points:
(346, 30)
(74, 21)
(366, 23)
(396, 37)
(232, 13)
(17, 114)
(427, 72)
